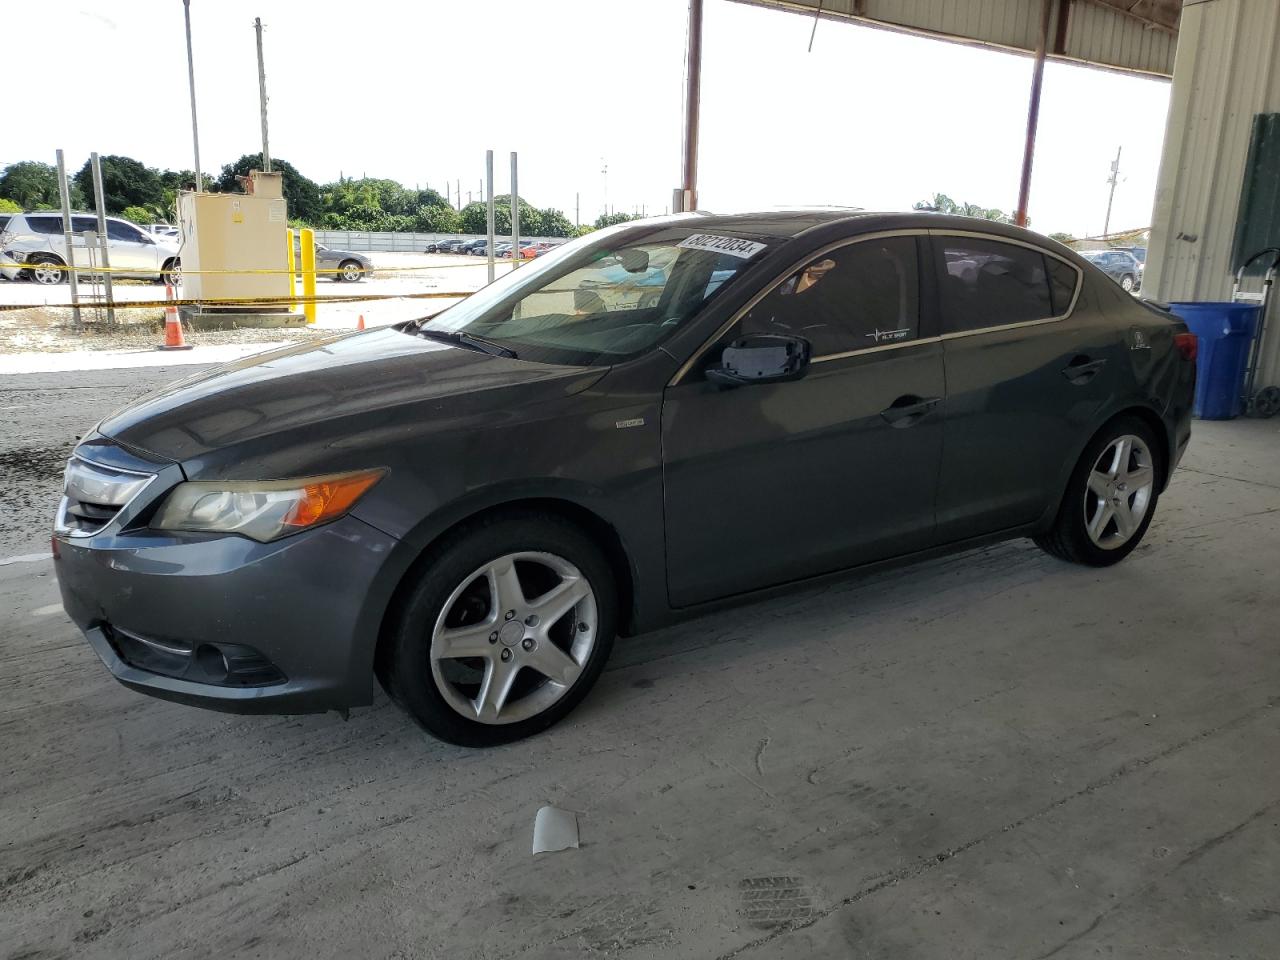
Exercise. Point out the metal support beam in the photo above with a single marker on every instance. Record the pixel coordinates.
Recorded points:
(688, 193)
(100, 204)
(1033, 112)
(69, 237)
(515, 214)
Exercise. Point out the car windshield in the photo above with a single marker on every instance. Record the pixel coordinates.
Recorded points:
(606, 297)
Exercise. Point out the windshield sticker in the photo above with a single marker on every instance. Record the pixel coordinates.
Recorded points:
(879, 335)
(733, 246)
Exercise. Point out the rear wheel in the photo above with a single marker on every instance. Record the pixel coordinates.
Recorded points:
(1110, 498)
(1126, 283)
(47, 269)
(508, 629)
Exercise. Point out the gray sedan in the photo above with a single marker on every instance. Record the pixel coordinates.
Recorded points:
(340, 265)
(644, 425)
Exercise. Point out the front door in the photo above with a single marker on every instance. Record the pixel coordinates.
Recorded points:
(131, 250)
(773, 482)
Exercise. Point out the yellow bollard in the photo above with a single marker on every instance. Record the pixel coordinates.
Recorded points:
(289, 236)
(309, 273)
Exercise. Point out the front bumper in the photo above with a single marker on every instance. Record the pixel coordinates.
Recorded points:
(308, 606)
(10, 268)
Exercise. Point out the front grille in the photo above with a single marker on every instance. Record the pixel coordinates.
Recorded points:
(93, 495)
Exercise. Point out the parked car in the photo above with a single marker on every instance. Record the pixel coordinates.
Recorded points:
(1120, 265)
(471, 246)
(535, 249)
(470, 507)
(32, 246)
(449, 245)
(338, 265)
(162, 230)
(1139, 254)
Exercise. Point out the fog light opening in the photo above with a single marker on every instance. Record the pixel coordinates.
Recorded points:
(212, 662)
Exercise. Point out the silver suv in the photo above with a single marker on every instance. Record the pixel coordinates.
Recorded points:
(32, 246)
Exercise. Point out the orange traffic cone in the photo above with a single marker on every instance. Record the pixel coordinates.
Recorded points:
(360, 322)
(172, 325)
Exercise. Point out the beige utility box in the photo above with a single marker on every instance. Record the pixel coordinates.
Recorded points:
(235, 231)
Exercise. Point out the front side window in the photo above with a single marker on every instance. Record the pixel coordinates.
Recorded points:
(986, 283)
(865, 294)
(122, 231)
(607, 297)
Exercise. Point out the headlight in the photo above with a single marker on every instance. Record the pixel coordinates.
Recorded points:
(262, 510)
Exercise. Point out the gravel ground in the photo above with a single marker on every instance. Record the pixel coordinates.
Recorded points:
(988, 756)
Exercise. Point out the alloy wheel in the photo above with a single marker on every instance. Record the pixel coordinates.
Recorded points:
(1119, 492)
(513, 637)
(1126, 284)
(350, 272)
(47, 273)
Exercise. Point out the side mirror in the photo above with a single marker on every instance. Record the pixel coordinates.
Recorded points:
(761, 358)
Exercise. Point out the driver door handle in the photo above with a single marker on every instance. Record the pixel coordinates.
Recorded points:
(908, 410)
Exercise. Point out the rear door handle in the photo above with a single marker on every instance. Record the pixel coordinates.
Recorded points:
(1081, 370)
(908, 410)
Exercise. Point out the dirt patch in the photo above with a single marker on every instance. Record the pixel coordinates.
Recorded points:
(33, 463)
(51, 330)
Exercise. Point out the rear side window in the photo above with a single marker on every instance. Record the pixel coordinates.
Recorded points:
(1062, 284)
(45, 224)
(986, 283)
(81, 224)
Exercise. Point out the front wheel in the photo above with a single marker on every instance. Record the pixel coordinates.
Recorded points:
(1110, 498)
(47, 270)
(508, 629)
(350, 271)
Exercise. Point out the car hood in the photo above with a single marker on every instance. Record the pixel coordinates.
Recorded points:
(347, 384)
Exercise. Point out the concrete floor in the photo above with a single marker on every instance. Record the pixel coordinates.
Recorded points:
(993, 755)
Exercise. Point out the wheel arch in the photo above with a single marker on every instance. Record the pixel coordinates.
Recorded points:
(1149, 415)
(601, 531)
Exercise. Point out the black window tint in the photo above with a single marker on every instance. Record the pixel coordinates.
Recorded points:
(863, 295)
(986, 283)
(81, 224)
(122, 231)
(1062, 281)
(45, 224)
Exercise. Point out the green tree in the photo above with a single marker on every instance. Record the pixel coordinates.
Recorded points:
(609, 219)
(942, 203)
(437, 219)
(125, 183)
(554, 224)
(31, 185)
(8, 206)
(1064, 238)
(138, 214)
(301, 193)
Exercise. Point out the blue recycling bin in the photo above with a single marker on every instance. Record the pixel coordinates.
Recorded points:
(1225, 333)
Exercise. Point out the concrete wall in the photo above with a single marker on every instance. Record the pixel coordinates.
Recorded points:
(1225, 73)
(366, 240)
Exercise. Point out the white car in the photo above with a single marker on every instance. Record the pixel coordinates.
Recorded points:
(32, 246)
(162, 231)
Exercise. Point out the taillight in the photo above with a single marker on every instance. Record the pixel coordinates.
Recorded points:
(1187, 345)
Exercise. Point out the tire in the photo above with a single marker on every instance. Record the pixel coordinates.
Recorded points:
(350, 271)
(47, 270)
(1083, 532)
(171, 273)
(1127, 283)
(459, 698)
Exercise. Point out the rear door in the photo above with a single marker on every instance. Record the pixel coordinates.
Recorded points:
(1025, 370)
(771, 482)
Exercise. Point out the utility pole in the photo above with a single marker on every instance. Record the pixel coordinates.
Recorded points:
(688, 192)
(515, 215)
(488, 172)
(1111, 195)
(604, 184)
(577, 209)
(69, 238)
(262, 96)
(100, 204)
(191, 82)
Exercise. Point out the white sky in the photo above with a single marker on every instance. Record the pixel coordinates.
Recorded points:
(392, 88)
